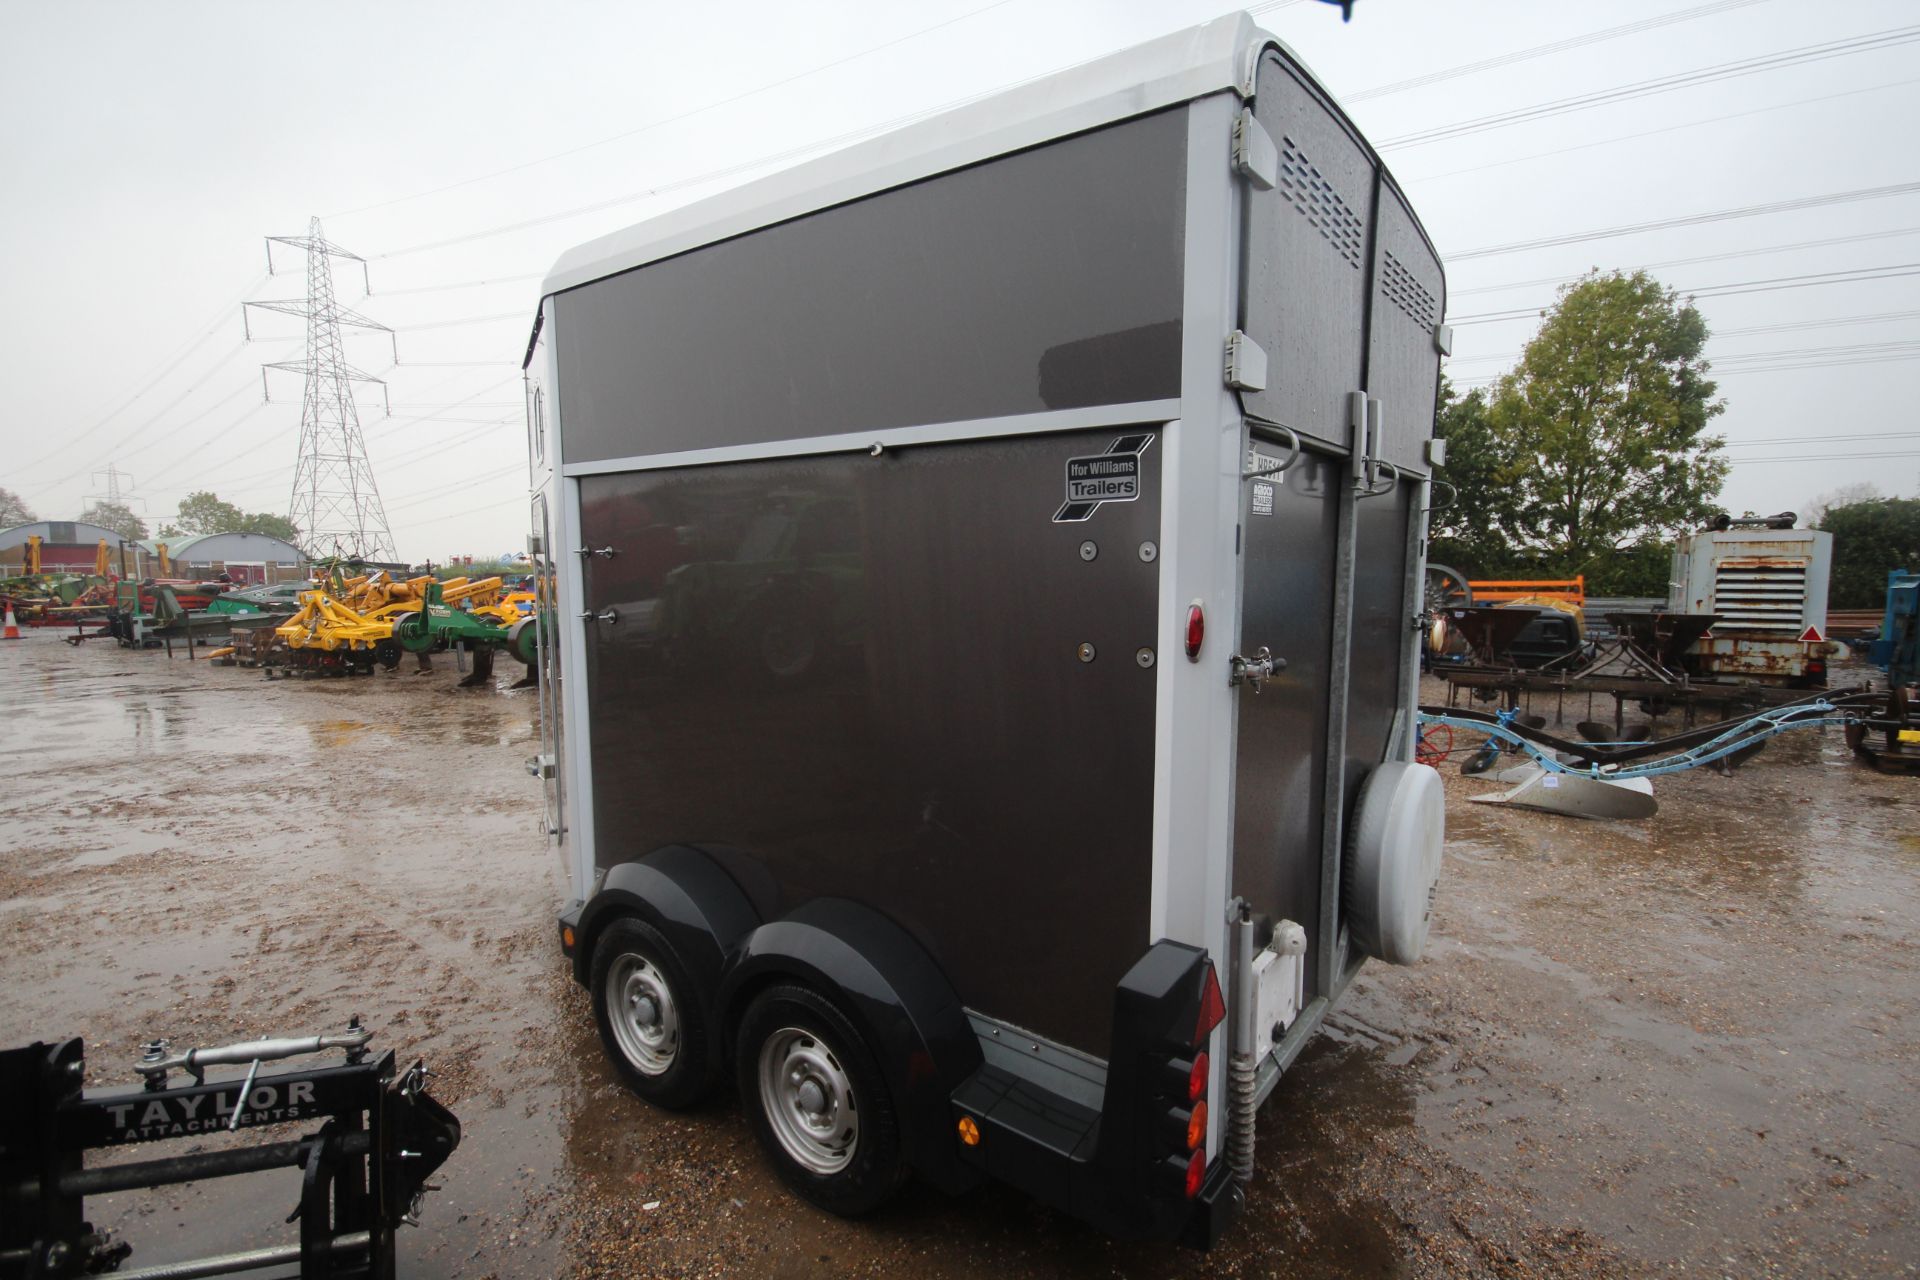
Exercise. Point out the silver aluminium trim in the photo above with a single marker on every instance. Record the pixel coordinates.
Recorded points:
(1133, 414)
(1201, 460)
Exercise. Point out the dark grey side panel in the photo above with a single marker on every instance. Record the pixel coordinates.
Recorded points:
(1047, 279)
(1409, 300)
(1380, 625)
(1306, 260)
(857, 677)
(1280, 778)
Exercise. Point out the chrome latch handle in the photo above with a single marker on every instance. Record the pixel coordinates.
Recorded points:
(608, 616)
(1252, 671)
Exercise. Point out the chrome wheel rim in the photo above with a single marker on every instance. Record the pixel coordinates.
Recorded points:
(640, 1007)
(809, 1101)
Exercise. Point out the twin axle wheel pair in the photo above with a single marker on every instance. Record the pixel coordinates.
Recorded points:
(811, 1087)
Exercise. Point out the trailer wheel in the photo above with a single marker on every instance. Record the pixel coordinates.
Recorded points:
(815, 1097)
(651, 1025)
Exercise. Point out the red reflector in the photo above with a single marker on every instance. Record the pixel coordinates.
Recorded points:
(1813, 634)
(1196, 630)
(1197, 1078)
(1196, 1173)
(1213, 1008)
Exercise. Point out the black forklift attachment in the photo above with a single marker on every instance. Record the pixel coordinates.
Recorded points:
(364, 1171)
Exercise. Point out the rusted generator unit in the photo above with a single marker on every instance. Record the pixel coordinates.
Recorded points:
(1765, 583)
(979, 709)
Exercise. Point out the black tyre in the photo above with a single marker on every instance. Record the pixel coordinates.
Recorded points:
(814, 1095)
(651, 1022)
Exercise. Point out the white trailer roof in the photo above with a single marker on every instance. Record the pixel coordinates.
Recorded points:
(1216, 56)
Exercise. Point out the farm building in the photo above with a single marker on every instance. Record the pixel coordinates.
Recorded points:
(66, 546)
(248, 558)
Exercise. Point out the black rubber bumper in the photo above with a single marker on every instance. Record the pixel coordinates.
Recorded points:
(1218, 1204)
(569, 928)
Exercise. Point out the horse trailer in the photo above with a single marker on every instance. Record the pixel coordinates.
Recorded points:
(978, 704)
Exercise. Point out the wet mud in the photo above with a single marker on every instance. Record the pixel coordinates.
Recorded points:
(1684, 1046)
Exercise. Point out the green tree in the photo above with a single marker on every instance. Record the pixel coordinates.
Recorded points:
(116, 516)
(1601, 428)
(202, 513)
(1467, 517)
(1869, 539)
(14, 510)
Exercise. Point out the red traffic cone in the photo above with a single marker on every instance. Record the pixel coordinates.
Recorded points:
(13, 628)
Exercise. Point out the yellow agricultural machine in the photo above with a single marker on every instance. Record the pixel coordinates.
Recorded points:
(348, 625)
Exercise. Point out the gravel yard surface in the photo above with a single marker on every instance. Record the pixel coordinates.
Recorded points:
(1686, 1045)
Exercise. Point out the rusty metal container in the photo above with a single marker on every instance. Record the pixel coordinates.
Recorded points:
(1768, 588)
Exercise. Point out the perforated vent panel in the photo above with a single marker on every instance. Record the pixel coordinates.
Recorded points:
(1407, 293)
(1761, 594)
(1310, 193)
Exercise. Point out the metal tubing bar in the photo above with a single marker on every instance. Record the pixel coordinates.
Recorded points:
(1759, 729)
(193, 1168)
(350, 1244)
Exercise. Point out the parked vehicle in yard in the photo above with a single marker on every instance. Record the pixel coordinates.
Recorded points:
(1015, 761)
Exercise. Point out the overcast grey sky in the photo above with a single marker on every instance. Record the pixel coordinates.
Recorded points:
(149, 147)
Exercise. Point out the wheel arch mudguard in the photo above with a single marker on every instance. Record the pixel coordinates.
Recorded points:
(894, 992)
(696, 906)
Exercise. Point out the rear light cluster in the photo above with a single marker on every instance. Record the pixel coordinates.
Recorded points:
(1184, 1128)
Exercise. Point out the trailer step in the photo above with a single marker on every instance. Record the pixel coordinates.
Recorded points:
(1030, 1136)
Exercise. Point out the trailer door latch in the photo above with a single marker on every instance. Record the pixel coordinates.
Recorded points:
(608, 616)
(589, 552)
(1251, 671)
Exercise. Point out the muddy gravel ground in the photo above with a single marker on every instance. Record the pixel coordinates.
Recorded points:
(1685, 1045)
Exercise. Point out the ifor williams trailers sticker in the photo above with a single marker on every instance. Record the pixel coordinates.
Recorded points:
(1113, 476)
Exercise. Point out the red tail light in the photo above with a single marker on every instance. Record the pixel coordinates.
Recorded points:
(1197, 1126)
(1197, 1077)
(1196, 630)
(1213, 1008)
(1196, 1173)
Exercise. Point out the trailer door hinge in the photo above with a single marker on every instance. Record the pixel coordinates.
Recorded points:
(608, 616)
(1252, 671)
(1246, 363)
(1255, 158)
(587, 552)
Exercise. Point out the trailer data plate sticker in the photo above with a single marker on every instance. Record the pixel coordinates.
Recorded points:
(1262, 498)
(1113, 476)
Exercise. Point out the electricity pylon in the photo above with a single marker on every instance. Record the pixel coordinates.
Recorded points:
(335, 505)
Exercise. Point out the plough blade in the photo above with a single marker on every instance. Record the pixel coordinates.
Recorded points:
(1576, 796)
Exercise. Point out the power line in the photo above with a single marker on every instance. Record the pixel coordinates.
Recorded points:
(1736, 288)
(167, 366)
(1687, 262)
(1542, 50)
(1488, 379)
(673, 119)
(1892, 37)
(1831, 322)
(525, 315)
(1741, 356)
(1649, 133)
(1780, 440)
(1821, 457)
(1691, 220)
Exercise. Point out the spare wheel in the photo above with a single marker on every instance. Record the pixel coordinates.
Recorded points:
(1393, 860)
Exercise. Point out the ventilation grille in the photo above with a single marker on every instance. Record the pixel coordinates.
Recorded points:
(1752, 594)
(1319, 203)
(1408, 294)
